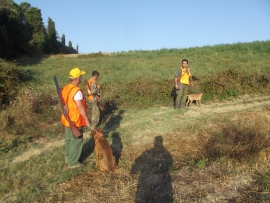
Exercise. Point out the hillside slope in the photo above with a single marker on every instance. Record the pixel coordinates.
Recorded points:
(180, 140)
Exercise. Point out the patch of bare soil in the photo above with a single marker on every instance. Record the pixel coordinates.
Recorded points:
(156, 171)
(64, 56)
(245, 102)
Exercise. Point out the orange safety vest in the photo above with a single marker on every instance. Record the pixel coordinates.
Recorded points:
(88, 85)
(68, 93)
(184, 78)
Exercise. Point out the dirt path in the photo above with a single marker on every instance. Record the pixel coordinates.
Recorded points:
(156, 119)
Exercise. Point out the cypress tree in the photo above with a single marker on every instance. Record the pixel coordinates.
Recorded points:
(70, 44)
(51, 30)
(36, 27)
(52, 43)
(63, 39)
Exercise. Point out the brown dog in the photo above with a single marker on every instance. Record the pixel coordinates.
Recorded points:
(103, 152)
(197, 97)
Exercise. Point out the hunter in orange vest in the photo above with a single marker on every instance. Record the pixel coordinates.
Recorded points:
(75, 100)
(182, 79)
(93, 90)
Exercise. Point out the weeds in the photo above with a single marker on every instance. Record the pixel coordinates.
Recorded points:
(202, 162)
(210, 148)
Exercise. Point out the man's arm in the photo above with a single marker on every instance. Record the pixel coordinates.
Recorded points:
(82, 111)
(94, 88)
(190, 79)
(176, 78)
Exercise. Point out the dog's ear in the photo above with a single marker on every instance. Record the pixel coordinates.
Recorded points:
(99, 130)
(95, 130)
(92, 133)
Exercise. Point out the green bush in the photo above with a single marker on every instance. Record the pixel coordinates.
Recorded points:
(9, 82)
(11, 78)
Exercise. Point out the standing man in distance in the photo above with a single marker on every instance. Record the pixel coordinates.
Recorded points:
(75, 100)
(94, 97)
(182, 79)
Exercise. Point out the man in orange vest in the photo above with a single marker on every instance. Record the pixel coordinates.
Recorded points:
(75, 100)
(94, 97)
(182, 80)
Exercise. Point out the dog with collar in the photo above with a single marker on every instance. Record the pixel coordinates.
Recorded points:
(105, 160)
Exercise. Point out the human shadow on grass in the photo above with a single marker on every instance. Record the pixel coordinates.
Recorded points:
(117, 146)
(88, 149)
(111, 126)
(173, 95)
(154, 183)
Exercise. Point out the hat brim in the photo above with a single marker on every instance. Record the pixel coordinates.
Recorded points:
(82, 72)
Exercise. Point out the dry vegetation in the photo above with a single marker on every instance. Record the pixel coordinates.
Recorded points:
(223, 161)
(217, 153)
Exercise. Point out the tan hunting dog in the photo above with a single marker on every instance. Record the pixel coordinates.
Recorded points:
(197, 97)
(103, 152)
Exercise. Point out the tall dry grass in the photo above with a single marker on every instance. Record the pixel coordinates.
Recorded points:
(225, 160)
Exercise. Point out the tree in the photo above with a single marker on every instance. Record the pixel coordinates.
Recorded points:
(63, 39)
(70, 44)
(13, 32)
(36, 27)
(77, 48)
(6, 3)
(51, 31)
(51, 42)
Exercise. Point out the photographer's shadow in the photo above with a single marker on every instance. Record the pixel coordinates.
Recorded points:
(154, 184)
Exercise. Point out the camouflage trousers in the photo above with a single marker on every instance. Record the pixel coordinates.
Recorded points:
(95, 113)
(181, 97)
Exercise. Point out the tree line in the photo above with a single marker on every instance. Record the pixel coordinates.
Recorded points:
(22, 32)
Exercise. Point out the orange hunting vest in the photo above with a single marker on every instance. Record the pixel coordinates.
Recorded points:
(184, 78)
(68, 94)
(88, 84)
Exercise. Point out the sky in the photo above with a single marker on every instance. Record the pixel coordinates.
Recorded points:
(123, 25)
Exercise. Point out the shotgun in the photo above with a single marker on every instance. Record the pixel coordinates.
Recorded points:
(75, 131)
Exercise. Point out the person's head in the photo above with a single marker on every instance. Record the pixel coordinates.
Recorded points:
(95, 74)
(184, 63)
(158, 141)
(75, 75)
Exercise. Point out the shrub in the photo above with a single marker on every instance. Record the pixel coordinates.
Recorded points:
(10, 80)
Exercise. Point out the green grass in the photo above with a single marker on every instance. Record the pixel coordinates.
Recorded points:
(141, 83)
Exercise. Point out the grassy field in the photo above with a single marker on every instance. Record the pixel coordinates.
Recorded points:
(217, 153)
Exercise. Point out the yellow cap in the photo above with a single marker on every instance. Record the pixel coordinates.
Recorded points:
(75, 73)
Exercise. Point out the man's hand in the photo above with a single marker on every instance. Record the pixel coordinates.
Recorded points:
(88, 124)
(82, 111)
(176, 86)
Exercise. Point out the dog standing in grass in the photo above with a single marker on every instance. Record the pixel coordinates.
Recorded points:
(103, 152)
(192, 97)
